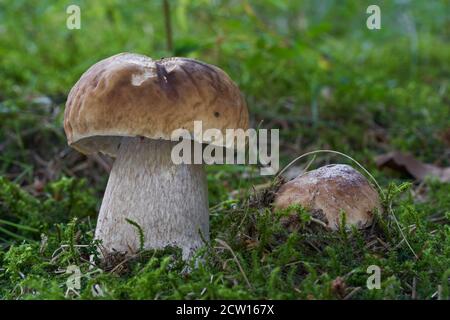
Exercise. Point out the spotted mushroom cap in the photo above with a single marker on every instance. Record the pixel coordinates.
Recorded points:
(132, 95)
(330, 190)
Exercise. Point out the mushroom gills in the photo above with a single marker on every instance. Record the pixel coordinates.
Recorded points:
(168, 201)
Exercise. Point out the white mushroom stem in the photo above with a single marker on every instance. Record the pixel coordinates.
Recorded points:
(168, 201)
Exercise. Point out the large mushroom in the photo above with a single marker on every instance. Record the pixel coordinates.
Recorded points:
(330, 191)
(127, 106)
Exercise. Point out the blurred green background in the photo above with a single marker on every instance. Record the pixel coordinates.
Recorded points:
(310, 68)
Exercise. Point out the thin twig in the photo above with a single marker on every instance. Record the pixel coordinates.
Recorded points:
(123, 262)
(168, 25)
(226, 246)
(352, 293)
(414, 287)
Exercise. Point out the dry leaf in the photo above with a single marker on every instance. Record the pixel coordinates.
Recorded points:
(407, 163)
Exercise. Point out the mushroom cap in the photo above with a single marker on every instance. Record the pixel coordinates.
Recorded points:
(132, 95)
(330, 190)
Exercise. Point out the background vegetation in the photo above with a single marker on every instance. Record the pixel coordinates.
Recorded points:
(310, 68)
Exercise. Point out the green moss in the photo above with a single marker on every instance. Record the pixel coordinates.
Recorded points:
(256, 257)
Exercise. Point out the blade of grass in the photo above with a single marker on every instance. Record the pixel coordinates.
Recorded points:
(13, 235)
(18, 226)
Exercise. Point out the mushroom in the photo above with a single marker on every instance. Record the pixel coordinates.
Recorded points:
(329, 191)
(127, 106)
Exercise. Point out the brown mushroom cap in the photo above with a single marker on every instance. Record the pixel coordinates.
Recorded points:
(133, 95)
(330, 190)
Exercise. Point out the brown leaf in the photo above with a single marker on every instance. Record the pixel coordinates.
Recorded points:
(339, 287)
(406, 163)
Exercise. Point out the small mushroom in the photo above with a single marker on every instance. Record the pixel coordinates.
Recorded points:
(127, 106)
(329, 191)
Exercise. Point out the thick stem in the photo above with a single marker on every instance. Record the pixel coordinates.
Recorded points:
(168, 201)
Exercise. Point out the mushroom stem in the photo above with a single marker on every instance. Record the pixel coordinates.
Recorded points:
(168, 201)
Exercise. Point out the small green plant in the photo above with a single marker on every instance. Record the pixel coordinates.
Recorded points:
(139, 231)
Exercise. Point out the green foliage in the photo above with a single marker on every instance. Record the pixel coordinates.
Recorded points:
(69, 196)
(17, 204)
(19, 259)
(23, 217)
